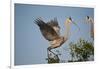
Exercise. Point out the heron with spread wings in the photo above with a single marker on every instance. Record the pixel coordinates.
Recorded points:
(51, 32)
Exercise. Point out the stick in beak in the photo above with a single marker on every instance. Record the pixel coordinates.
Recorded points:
(74, 22)
(76, 25)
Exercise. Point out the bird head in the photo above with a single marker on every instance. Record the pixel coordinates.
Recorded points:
(87, 19)
(69, 20)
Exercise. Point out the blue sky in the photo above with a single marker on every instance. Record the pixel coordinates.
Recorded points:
(30, 45)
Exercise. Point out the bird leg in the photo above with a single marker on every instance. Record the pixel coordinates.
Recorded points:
(49, 49)
(55, 57)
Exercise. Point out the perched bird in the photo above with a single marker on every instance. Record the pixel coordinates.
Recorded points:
(91, 22)
(51, 31)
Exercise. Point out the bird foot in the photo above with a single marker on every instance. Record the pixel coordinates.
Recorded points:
(49, 48)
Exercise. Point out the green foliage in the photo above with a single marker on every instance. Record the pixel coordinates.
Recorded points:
(53, 58)
(81, 51)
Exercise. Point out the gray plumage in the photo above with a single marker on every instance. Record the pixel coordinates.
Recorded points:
(47, 29)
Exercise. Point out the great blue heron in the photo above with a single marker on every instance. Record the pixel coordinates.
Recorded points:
(51, 32)
(91, 22)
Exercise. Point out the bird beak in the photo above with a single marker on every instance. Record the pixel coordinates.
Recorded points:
(76, 25)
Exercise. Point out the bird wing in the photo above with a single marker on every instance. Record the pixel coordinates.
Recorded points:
(47, 31)
(54, 24)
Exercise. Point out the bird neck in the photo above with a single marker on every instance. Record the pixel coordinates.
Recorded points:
(91, 20)
(67, 30)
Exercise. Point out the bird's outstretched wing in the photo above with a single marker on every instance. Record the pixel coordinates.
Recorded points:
(47, 31)
(54, 24)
